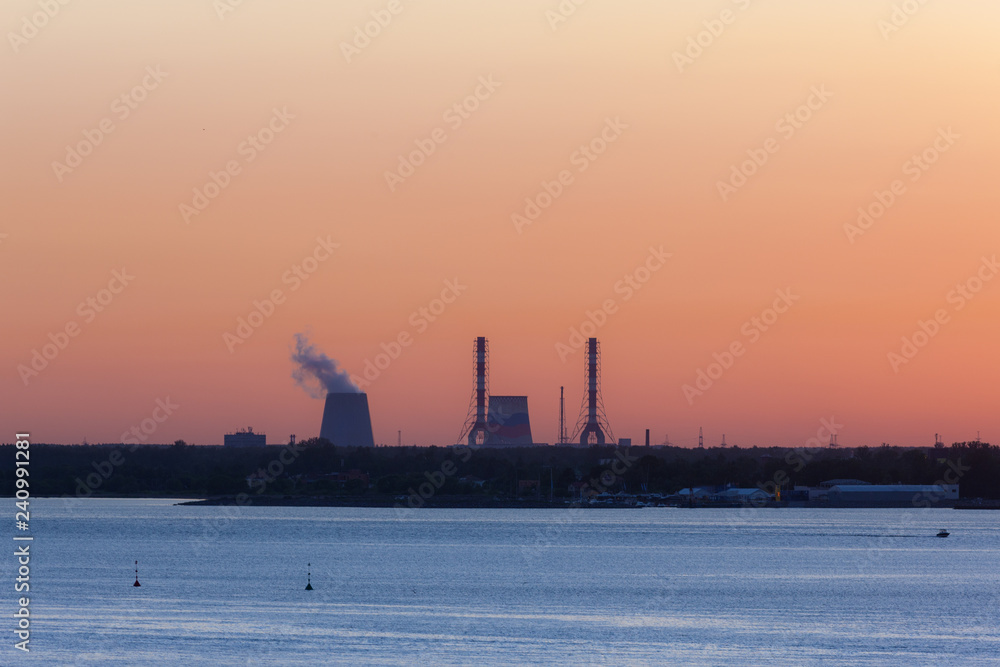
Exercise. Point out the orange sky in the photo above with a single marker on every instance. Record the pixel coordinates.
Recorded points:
(337, 123)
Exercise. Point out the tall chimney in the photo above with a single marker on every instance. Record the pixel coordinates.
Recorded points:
(594, 429)
(475, 429)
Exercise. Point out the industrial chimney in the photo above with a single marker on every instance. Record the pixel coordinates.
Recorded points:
(593, 428)
(346, 420)
(476, 430)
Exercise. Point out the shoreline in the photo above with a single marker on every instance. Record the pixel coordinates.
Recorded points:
(476, 502)
(480, 502)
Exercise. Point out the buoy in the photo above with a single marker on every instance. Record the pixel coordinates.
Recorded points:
(136, 575)
(309, 585)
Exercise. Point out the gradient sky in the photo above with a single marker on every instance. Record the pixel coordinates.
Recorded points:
(891, 93)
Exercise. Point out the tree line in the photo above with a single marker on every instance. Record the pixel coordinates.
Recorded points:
(310, 468)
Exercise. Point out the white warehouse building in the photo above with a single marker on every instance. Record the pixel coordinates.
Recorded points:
(893, 495)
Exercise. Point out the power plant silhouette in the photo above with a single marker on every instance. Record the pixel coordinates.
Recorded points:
(492, 420)
(502, 421)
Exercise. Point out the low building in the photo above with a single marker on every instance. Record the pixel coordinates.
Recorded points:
(893, 495)
(697, 493)
(755, 497)
(819, 494)
(245, 438)
(842, 482)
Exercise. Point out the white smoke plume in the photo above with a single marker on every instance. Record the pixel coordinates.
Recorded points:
(317, 373)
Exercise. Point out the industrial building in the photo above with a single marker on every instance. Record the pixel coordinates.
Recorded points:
(493, 420)
(245, 438)
(507, 422)
(752, 496)
(346, 420)
(695, 494)
(893, 495)
(722, 497)
(502, 421)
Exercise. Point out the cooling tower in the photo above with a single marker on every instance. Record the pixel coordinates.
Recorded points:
(508, 423)
(346, 421)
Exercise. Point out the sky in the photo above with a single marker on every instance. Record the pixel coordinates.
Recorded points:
(674, 173)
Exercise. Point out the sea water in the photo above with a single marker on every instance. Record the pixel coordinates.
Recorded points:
(226, 586)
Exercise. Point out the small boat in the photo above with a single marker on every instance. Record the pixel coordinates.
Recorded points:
(943, 533)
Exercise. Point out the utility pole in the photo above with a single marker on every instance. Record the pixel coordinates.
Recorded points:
(562, 418)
